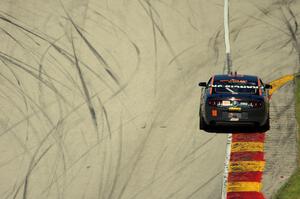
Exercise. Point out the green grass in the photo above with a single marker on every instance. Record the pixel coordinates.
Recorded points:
(291, 189)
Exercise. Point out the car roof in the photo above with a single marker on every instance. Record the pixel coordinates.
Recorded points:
(239, 77)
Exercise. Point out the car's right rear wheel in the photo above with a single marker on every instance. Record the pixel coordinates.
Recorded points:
(266, 126)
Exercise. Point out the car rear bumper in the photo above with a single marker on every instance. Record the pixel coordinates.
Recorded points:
(223, 116)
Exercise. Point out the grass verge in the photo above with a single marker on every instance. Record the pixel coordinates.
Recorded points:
(291, 189)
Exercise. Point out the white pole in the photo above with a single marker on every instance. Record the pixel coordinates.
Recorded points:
(228, 61)
(228, 65)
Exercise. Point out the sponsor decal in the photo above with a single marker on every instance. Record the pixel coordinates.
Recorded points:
(234, 108)
(226, 103)
(234, 81)
(214, 112)
(234, 86)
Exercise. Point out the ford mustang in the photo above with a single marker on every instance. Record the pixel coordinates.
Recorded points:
(234, 99)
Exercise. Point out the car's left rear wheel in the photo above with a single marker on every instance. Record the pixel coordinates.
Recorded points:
(202, 123)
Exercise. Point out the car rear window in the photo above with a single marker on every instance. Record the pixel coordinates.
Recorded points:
(235, 86)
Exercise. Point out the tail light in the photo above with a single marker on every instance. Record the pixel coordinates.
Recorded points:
(214, 102)
(255, 104)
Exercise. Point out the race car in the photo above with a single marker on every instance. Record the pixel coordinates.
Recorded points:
(234, 99)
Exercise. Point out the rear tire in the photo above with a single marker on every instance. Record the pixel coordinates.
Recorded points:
(202, 123)
(266, 126)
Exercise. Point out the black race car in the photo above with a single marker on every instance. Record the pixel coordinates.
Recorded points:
(234, 100)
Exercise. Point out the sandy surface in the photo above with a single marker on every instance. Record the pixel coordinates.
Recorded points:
(99, 99)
